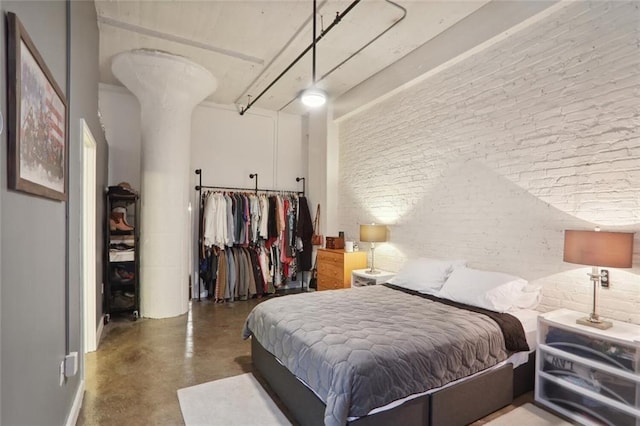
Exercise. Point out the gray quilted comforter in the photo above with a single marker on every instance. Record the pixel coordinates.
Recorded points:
(363, 348)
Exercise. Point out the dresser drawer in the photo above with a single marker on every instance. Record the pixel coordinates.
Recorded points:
(589, 375)
(582, 404)
(328, 283)
(327, 257)
(330, 271)
(599, 350)
(611, 383)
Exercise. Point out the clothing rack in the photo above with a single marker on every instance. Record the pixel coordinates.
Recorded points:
(255, 189)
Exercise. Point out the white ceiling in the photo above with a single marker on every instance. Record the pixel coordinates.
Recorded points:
(246, 44)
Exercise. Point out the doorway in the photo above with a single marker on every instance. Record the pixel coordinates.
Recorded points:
(89, 237)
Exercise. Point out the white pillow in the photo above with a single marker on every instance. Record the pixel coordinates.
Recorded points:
(529, 297)
(425, 275)
(495, 291)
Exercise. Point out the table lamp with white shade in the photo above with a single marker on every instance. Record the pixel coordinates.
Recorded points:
(373, 233)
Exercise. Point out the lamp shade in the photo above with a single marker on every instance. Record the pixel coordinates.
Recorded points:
(595, 248)
(373, 233)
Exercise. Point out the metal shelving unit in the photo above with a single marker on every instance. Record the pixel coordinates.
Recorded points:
(122, 263)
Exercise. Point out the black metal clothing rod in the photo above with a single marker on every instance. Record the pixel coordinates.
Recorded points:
(304, 180)
(200, 186)
(335, 22)
(229, 188)
(254, 176)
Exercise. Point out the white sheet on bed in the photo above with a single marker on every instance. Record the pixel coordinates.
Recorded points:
(529, 320)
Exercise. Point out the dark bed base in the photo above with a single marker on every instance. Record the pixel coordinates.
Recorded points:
(459, 404)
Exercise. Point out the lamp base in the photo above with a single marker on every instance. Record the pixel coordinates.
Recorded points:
(588, 321)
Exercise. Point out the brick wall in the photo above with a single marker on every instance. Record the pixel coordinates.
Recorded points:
(493, 157)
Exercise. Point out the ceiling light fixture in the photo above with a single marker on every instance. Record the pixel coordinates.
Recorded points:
(336, 21)
(313, 97)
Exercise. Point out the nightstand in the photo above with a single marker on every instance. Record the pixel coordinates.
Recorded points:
(589, 375)
(360, 277)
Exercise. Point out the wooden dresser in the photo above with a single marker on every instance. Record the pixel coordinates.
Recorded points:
(335, 266)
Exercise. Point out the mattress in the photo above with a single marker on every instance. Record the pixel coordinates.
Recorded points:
(529, 320)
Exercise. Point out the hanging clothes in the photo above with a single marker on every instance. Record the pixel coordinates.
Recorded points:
(254, 209)
(257, 272)
(304, 231)
(221, 282)
(250, 243)
(230, 240)
(272, 227)
(263, 231)
(230, 290)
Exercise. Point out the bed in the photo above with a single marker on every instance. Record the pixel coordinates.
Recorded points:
(368, 356)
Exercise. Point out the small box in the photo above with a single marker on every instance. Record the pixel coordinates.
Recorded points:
(334, 242)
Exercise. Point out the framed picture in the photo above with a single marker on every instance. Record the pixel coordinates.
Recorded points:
(37, 119)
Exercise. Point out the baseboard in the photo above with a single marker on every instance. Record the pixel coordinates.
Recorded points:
(99, 331)
(72, 419)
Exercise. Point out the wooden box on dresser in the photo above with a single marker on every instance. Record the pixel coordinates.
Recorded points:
(335, 266)
(589, 375)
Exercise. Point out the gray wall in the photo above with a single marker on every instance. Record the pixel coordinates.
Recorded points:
(84, 104)
(32, 256)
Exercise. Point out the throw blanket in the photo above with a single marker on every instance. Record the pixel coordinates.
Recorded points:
(363, 348)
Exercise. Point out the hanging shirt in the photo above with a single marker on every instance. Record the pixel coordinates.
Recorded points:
(230, 222)
(247, 221)
(255, 217)
(214, 218)
(208, 220)
(221, 220)
(264, 217)
(229, 291)
(221, 281)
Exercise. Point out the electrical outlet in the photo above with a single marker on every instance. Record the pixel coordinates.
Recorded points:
(71, 364)
(604, 278)
(61, 373)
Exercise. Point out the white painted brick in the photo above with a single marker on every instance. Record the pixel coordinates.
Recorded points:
(493, 158)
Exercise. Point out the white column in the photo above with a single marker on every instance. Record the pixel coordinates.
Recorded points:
(168, 87)
(324, 167)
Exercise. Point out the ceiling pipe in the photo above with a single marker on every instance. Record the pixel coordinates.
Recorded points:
(335, 22)
(348, 58)
(277, 56)
(396, 22)
(312, 96)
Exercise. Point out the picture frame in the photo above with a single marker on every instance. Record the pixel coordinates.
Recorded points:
(37, 120)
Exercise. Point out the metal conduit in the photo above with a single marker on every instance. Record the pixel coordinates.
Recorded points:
(335, 22)
(325, 75)
(276, 56)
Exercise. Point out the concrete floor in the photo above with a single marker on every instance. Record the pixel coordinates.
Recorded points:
(134, 375)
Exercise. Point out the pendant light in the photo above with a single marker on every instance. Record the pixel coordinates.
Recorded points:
(313, 97)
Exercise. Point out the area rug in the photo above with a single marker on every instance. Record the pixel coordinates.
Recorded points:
(242, 401)
(528, 415)
(238, 400)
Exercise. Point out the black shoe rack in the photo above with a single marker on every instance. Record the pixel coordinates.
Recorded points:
(122, 254)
